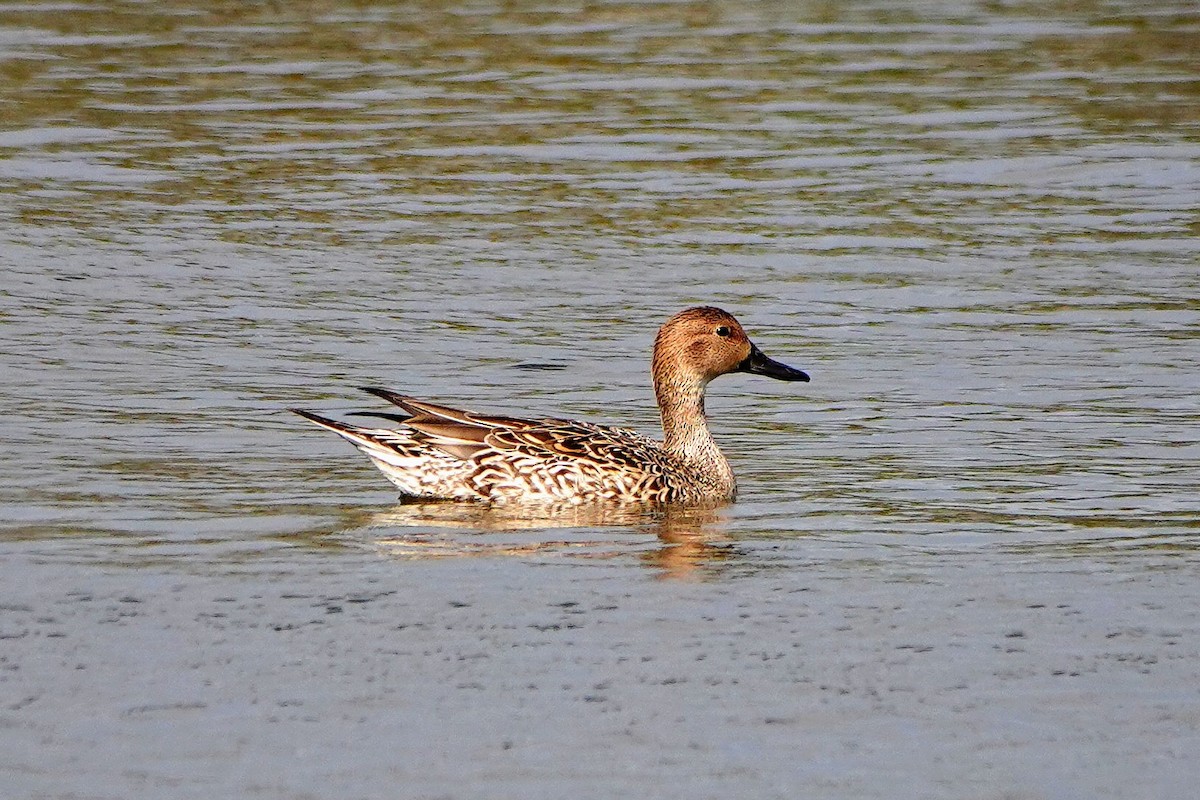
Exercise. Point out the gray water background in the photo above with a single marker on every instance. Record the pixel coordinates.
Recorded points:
(964, 562)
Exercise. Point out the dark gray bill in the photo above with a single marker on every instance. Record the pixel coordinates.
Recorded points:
(758, 364)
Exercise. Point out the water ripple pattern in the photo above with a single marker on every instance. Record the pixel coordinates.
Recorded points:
(977, 225)
(985, 247)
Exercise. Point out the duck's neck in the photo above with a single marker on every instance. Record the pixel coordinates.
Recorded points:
(686, 433)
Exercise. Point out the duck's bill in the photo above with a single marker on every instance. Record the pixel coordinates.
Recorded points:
(758, 364)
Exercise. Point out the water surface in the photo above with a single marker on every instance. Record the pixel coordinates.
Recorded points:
(964, 561)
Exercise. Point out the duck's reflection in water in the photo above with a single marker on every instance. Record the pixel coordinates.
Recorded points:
(688, 539)
(692, 542)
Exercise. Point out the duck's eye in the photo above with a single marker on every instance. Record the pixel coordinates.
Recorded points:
(723, 331)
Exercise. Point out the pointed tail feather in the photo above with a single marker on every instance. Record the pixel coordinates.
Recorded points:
(400, 418)
(378, 443)
(351, 432)
(439, 420)
(417, 470)
(395, 398)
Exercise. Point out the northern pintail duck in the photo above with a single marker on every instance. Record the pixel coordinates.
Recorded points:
(441, 453)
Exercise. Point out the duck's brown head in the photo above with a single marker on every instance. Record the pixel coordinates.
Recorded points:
(698, 344)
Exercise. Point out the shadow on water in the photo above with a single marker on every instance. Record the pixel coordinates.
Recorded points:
(677, 541)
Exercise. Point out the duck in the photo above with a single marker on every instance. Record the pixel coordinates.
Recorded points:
(440, 453)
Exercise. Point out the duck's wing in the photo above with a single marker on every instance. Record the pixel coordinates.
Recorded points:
(465, 434)
(460, 433)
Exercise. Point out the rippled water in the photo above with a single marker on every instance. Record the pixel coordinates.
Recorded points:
(975, 225)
